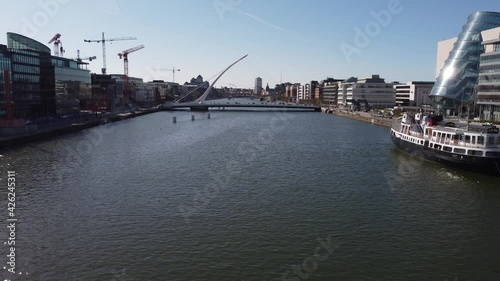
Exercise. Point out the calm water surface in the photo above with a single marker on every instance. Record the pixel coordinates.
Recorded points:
(245, 196)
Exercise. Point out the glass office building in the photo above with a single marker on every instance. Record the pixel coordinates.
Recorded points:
(31, 94)
(42, 85)
(72, 85)
(5, 65)
(458, 78)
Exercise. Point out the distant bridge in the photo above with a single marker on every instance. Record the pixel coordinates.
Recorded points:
(196, 106)
(200, 104)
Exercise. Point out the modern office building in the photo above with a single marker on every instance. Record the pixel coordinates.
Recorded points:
(258, 86)
(458, 77)
(42, 85)
(373, 90)
(488, 90)
(33, 90)
(72, 85)
(329, 90)
(107, 92)
(413, 93)
(345, 90)
(314, 95)
(5, 65)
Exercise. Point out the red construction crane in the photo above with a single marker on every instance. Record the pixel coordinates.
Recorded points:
(124, 54)
(103, 41)
(56, 42)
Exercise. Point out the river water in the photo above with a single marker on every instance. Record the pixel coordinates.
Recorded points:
(247, 196)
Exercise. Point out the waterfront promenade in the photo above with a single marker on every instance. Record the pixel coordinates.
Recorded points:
(361, 116)
(57, 127)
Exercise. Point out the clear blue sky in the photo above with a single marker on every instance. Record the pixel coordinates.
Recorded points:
(301, 39)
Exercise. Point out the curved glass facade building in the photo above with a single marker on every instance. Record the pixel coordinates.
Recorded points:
(458, 78)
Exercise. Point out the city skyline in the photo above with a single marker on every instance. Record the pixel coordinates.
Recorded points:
(304, 40)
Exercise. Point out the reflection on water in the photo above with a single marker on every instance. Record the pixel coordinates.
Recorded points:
(247, 196)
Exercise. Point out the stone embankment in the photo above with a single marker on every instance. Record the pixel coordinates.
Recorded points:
(49, 133)
(361, 116)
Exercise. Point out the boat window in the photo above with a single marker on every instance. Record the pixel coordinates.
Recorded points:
(459, 150)
(492, 153)
(498, 140)
(455, 137)
(433, 134)
(473, 141)
(480, 140)
(447, 148)
(426, 131)
(475, 152)
(467, 139)
(491, 140)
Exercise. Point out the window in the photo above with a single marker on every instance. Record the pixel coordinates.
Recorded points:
(473, 141)
(491, 140)
(475, 152)
(467, 139)
(491, 153)
(459, 150)
(480, 140)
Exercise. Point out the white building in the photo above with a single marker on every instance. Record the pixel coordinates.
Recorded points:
(443, 51)
(488, 90)
(413, 93)
(373, 89)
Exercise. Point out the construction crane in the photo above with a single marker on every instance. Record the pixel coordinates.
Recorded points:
(56, 40)
(103, 41)
(124, 55)
(79, 59)
(173, 72)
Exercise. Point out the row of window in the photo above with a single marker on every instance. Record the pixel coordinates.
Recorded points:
(26, 87)
(488, 89)
(480, 140)
(4, 62)
(413, 140)
(470, 152)
(26, 68)
(26, 78)
(490, 58)
(489, 68)
(489, 78)
(25, 59)
(26, 97)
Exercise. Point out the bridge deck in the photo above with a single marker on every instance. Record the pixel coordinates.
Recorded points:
(207, 105)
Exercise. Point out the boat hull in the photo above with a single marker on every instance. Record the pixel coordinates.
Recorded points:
(484, 165)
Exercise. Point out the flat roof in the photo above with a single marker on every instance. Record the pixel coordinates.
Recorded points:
(493, 41)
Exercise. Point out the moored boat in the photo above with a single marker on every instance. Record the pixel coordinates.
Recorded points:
(472, 147)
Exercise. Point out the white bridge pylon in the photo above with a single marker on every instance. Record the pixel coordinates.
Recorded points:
(204, 96)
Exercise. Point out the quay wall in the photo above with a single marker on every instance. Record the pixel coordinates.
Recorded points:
(385, 122)
(45, 134)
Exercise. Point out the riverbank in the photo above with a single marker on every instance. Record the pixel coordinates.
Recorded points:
(12, 141)
(360, 116)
